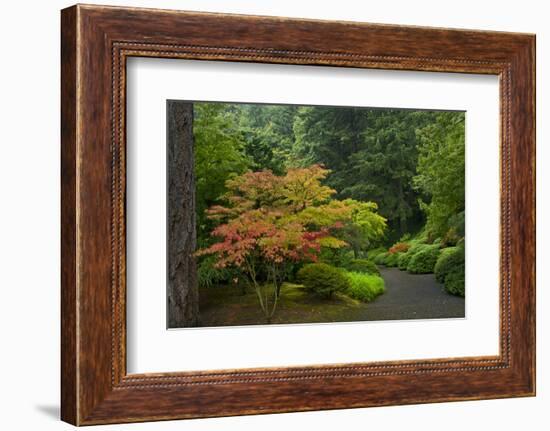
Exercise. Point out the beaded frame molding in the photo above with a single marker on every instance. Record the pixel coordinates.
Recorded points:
(95, 43)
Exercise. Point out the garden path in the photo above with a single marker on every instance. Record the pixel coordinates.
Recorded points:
(413, 296)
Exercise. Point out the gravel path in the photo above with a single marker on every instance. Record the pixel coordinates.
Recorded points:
(413, 296)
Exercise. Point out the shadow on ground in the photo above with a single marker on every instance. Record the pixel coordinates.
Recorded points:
(52, 411)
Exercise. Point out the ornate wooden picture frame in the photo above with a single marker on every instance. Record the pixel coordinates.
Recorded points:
(96, 41)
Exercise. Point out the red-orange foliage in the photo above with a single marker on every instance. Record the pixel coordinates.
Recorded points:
(268, 217)
(267, 235)
(400, 247)
(271, 220)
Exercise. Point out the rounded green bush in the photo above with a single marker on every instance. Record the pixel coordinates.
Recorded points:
(323, 279)
(450, 270)
(363, 265)
(392, 259)
(448, 258)
(416, 247)
(454, 282)
(423, 261)
(371, 254)
(364, 287)
(381, 258)
(404, 260)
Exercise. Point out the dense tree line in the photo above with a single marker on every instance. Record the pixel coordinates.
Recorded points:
(409, 162)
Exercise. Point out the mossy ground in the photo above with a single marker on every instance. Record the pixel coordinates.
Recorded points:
(229, 306)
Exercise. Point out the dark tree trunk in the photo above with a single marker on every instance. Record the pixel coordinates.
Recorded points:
(402, 216)
(183, 293)
(278, 285)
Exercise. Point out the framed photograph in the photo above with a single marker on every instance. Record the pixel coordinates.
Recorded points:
(264, 215)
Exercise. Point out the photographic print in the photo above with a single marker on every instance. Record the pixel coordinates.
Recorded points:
(288, 214)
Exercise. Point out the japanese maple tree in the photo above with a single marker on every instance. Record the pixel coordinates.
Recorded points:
(271, 221)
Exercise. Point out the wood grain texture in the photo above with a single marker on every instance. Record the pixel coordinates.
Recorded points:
(96, 41)
(69, 397)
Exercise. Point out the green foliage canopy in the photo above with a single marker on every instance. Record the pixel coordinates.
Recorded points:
(441, 171)
(219, 154)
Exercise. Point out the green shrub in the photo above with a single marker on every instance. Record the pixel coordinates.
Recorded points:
(405, 238)
(371, 254)
(458, 224)
(399, 247)
(392, 259)
(450, 270)
(423, 260)
(363, 265)
(208, 275)
(364, 287)
(404, 260)
(445, 262)
(381, 258)
(454, 282)
(430, 238)
(450, 238)
(416, 247)
(336, 257)
(323, 279)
